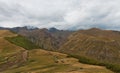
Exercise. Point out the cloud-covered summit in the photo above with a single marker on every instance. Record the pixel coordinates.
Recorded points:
(63, 14)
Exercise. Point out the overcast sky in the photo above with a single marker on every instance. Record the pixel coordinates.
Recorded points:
(63, 14)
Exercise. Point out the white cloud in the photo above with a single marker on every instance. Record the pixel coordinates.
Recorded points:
(64, 14)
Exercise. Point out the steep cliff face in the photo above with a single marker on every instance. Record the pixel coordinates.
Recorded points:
(43, 38)
(50, 39)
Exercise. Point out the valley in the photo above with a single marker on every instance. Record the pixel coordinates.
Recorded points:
(59, 36)
(36, 60)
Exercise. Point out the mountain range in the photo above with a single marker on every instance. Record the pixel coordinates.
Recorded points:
(102, 47)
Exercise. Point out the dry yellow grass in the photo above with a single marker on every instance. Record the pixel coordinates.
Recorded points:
(6, 33)
(6, 47)
(41, 61)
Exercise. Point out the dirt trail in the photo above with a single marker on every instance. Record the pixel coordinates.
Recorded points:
(14, 60)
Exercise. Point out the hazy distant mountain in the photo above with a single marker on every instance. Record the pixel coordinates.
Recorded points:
(53, 29)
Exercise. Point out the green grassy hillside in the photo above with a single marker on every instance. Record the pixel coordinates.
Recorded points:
(22, 42)
(6, 47)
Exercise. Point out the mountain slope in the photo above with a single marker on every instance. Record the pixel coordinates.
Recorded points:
(15, 59)
(41, 61)
(8, 51)
(50, 39)
(5, 46)
(98, 44)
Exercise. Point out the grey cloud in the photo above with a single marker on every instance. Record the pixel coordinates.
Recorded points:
(63, 14)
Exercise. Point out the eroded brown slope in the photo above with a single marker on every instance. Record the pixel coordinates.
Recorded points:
(47, 39)
(102, 45)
